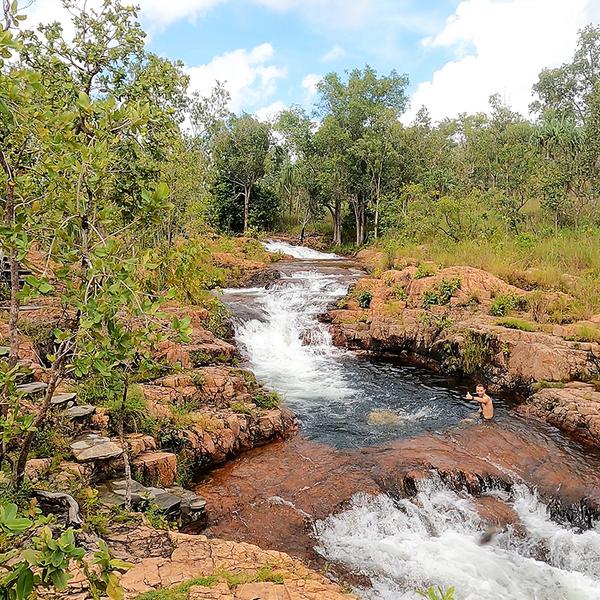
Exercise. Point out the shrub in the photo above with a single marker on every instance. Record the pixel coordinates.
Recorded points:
(437, 594)
(424, 270)
(399, 292)
(442, 294)
(364, 299)
(241, 408)
(502, 304)
(476, 352)
(519, 324)
(264, 399)
(436, 321)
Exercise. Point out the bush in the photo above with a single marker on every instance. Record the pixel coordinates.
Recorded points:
(364, 299)
(476, 352)
(399, 292)
(442, 294)
(424, 270)
(264, 399)
(502, 304)
(585, 333)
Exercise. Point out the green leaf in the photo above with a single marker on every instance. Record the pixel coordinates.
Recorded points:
(24, 584)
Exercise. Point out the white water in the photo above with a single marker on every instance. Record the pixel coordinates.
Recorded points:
(433, 539)
(289, 349)
(301, 252)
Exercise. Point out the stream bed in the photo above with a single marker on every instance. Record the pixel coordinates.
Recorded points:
(352, 403)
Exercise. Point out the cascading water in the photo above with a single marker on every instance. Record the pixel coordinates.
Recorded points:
(434, 539)
(339, 399)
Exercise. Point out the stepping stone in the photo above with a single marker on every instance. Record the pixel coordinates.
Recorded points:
(92, 446)
(31, 389)
(193, 507)
(164, 501)
(60, 399)
(4, 350)
(80, 412)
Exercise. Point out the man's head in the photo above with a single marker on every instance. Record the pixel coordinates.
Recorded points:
(480, 389)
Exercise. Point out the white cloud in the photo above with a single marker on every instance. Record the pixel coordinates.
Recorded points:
(309, 83)
(247, 76)
(500, 47)
(334, 53)
(270, 113)
(157, 13)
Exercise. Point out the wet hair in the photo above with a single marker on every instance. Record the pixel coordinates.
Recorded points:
(480, 385)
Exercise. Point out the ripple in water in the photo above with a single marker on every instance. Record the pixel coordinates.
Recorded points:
(433, 539)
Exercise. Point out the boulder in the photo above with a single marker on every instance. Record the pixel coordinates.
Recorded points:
(91, 446)
(80, 412)
(156, 468)
(63, 399)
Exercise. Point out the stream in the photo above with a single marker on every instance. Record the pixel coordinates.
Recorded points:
(356, 403)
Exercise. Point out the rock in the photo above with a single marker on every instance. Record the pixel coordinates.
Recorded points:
(572, 407)
(4, 350)
(92, 446)
(197, 556)
(163, 500)
(80, 412)
(139, 443)
(31, 389)
(63, 399)
(193, 508)
(158, 468)
(36, 468)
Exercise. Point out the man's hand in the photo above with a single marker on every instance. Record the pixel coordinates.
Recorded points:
(469, 396)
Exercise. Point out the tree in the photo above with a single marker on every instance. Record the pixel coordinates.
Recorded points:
(240, 155)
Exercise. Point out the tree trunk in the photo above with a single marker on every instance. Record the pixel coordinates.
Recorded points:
(337, 222)
(55, 377)
(124, 445)
(247, 190)
(13, 316)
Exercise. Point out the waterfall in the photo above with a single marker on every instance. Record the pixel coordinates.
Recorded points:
(434, 539)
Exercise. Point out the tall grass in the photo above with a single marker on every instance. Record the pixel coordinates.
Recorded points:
(568, 261)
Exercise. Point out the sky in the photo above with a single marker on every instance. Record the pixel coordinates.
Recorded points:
(270, 54)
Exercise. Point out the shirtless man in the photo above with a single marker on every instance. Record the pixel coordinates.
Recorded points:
(486, 406)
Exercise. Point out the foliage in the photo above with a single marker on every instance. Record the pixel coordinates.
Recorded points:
(265, 399)
(438, 593)
(476, 352)
(443, 293)
(364, 299)
(503, 304)
(520, 324)
(424, 270)
(179, 592)
(39, 560)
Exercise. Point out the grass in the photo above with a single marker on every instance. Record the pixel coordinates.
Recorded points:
(568, 261)
(585, 333)
(520, 324)
(266, 573)
(442, 294)
(543, 385)
(503, 304)
(264, 399)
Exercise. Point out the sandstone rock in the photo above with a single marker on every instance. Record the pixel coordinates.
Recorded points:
(574, 408)
(139, 443)
(197, 556)
(35, 468)
(92, 446)
(157, 468)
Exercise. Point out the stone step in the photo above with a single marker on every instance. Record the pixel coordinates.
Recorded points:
(80, 412)
(93, 446)
(156, 467)
(31, 389)
(64, 399)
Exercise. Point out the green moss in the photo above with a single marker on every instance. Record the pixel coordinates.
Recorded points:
(542, 385)
(520, 324)
(179, 592)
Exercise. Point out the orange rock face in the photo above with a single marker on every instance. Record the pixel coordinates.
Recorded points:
(156, 468)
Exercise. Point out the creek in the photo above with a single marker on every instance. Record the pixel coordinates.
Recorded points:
(352, 403)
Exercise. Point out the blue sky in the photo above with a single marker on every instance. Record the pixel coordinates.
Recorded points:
(271, 53)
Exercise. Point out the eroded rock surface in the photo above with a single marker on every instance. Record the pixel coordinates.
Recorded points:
(574, 408)
(174, 558)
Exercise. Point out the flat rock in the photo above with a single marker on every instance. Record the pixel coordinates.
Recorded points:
(4, 350)
(60, 399)
(158, 468)
(30, 389)
(92, 446)
(79, 412)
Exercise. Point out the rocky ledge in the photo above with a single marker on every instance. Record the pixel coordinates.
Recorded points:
(212, 569)
(449, 320)
(573, 407)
